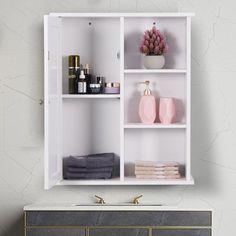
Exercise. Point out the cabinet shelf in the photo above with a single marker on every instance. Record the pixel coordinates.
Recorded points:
(154, 126)
(129, 180)
(151, 71)
(95, 96)
(113, 181)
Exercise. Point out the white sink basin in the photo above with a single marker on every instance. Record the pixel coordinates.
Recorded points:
(123, 204)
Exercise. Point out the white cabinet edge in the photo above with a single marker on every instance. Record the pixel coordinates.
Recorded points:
(115, 207)
(154, 14)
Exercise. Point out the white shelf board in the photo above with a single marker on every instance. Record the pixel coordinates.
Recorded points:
(133, 181)
(152, 71)
(154, 14)
(99, 96)
(113, 181)
(129, 181)
(154, 126)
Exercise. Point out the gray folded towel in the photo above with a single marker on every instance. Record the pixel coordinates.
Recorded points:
(95, 166)
(90, 161)
(98, 175)
(86, 170)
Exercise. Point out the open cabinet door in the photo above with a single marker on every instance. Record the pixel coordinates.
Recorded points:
(52, 101)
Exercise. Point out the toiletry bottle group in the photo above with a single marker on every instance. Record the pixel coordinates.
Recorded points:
(148, 111)
(81, 80)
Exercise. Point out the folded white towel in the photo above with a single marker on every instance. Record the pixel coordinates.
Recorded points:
(164, 173)
(152, 168)
(157, 177)
(156, 164)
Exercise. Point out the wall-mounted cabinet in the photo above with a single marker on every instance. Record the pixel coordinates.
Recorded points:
(84, 124)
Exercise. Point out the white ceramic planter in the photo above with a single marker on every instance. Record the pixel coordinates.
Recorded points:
(153, 61)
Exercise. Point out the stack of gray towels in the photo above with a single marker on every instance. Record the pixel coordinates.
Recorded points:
(95, 166)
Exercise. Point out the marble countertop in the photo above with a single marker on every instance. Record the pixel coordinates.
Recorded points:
(106, 207)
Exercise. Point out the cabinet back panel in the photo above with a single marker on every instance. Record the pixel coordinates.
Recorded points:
(97, 41)
(153, 145)
(91, 126)
(162, 85)
(173, 28)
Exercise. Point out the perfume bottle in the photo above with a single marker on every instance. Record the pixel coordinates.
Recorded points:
(147, 106)
(81, 81)
(74, 65)
(88, 76)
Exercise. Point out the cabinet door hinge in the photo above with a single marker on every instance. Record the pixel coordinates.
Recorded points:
(48, 55)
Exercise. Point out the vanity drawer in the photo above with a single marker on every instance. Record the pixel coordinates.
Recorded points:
(118, 232)
(118, 218)
(55, 232)
(181, 232)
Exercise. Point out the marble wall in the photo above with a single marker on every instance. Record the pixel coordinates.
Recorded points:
(213, 109)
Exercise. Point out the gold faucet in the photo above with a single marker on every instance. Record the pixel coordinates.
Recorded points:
(136, 199)
(100, 200)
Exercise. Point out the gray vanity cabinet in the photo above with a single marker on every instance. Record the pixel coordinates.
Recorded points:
(118, 232)
(181, 232)
(118, 223)
(55, 232)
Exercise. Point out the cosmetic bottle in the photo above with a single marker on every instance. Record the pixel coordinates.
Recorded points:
(88, 76)
(74, 65)
(101, 81)
(81, 81)
(147, 106)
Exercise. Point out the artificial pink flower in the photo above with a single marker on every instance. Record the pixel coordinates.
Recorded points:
(153, 42)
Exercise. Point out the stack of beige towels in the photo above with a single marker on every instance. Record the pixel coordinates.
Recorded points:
(156, 170)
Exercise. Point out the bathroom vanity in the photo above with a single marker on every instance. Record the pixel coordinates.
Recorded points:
(85, 124)
(94, 220)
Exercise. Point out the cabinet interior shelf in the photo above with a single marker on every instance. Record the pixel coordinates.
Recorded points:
(152, 71)
(154, 126)
(95, 96)
(134, 181)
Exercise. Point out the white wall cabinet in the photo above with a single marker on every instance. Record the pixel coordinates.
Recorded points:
(83, 124)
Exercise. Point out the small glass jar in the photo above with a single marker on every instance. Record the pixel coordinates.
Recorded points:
(95, 88)
(112, 88)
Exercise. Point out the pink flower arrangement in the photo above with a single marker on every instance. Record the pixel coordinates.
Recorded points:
(153, 42)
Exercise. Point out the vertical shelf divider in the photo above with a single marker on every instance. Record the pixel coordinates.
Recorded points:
(188, 110)
(122, 140)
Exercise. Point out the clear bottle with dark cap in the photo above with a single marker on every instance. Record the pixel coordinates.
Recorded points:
(88, 76)
(81, 82)
(74, 67)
